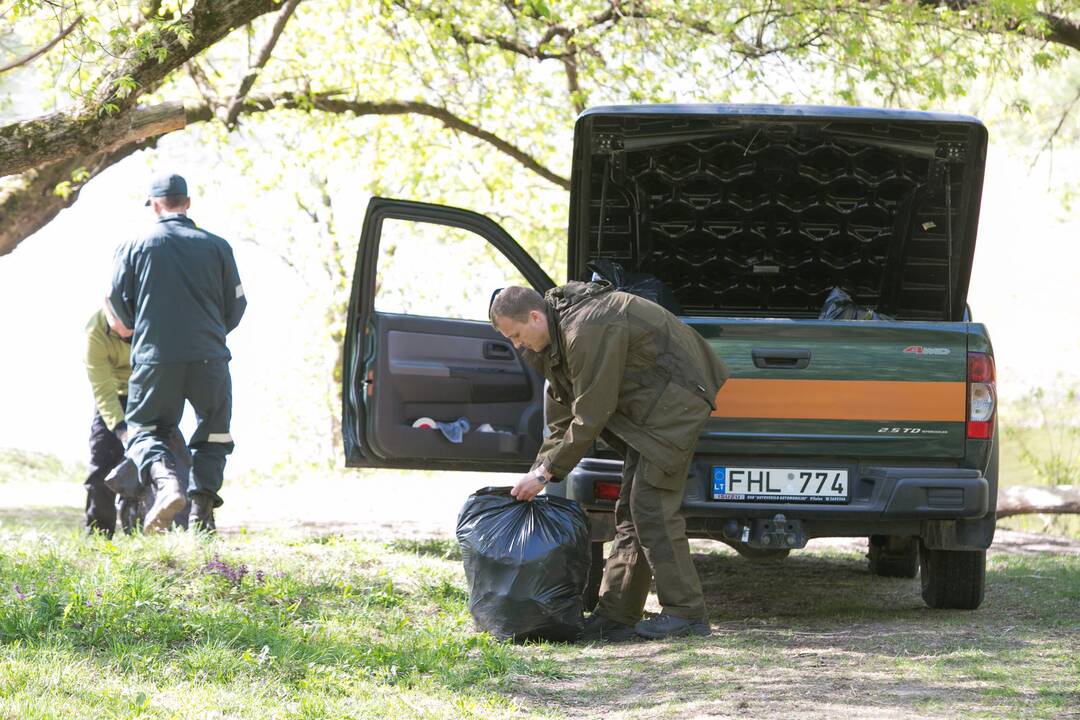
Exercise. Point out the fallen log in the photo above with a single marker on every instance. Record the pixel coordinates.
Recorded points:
(1028, 499)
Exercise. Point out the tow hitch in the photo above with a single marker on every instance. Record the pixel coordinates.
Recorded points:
(777, 533)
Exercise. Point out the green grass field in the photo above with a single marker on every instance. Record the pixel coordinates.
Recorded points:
(313, 624)
(261, 625)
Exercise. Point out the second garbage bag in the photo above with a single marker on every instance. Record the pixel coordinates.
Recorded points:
(526, 564)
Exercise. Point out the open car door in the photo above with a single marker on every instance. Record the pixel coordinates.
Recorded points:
(418, 344)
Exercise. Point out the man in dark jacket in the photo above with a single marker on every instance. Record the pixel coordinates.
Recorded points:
(624, 368)
(178, 287)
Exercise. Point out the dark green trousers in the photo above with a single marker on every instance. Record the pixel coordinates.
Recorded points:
(156, 395)
(650, 542)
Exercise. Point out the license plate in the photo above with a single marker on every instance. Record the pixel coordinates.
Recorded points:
(819, 485)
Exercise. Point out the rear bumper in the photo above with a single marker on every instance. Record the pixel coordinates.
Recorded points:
(949, 508)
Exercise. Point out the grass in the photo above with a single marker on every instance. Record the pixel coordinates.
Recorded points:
(27, 466)
(273, 624)
(264, 625)
(256, 626)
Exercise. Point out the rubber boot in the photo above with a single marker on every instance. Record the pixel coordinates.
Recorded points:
(202, 514)
(170, 497)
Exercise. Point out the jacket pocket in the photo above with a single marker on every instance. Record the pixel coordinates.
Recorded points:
(677, 416)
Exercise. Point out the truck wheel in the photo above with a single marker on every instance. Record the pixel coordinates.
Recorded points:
(893, 556)
(952, 579)
(591, 596)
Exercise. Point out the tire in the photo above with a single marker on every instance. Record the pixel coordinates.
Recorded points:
(952, 579)
(591, 596)
(893, 556)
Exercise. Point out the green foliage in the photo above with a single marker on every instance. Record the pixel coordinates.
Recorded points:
(1046, 428)
(519, 70)
(316, 622)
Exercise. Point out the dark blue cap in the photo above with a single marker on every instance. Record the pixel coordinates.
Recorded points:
(167, 184)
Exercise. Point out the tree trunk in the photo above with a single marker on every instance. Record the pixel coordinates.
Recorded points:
(1026, 499)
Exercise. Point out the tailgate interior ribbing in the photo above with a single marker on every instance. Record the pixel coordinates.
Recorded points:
(759, 216)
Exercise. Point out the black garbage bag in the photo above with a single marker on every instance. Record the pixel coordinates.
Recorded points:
(840, 306)
(643, 285)
(526, 564)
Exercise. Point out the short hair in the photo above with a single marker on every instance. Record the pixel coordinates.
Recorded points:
(173, 202)
(516, 303)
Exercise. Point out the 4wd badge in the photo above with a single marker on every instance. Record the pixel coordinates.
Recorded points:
(921, 350)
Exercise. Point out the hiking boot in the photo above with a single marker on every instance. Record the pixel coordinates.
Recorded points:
(202, 514)
(170, 497)
(662, 626)
(598, 628)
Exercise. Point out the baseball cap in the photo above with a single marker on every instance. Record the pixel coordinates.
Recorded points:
(167, 184)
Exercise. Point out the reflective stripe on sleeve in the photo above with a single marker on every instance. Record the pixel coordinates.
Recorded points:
(219, 438)
(239, 291)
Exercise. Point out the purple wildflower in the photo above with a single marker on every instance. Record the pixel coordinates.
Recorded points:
(230, 573)
(19, 593)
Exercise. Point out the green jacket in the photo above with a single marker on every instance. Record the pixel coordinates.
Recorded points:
(108, 365)
(625, 368)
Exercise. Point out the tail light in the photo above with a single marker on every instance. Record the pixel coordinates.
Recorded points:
(982, 396)
(606, 490)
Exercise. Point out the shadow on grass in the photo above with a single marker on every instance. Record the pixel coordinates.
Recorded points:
(819, 636)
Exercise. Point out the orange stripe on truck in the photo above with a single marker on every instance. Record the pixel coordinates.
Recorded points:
(842, 400)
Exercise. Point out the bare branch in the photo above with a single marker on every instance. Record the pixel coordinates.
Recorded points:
(264, 56)
(31, 57)
(1025, 499)
(572, 82)
(1057, 128)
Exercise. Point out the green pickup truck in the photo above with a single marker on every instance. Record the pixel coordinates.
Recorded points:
(750, 215)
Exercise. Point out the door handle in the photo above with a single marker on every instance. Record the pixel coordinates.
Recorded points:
(494, 350)
(777, 359)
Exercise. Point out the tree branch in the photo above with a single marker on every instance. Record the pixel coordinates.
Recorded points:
(1056, 130)
(1024, 499)
(97, 127)
(264, 56)
(1059, 30)
(612, 15)
(29, 201)
(31, 57)
(332, 104)
(59, 137)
